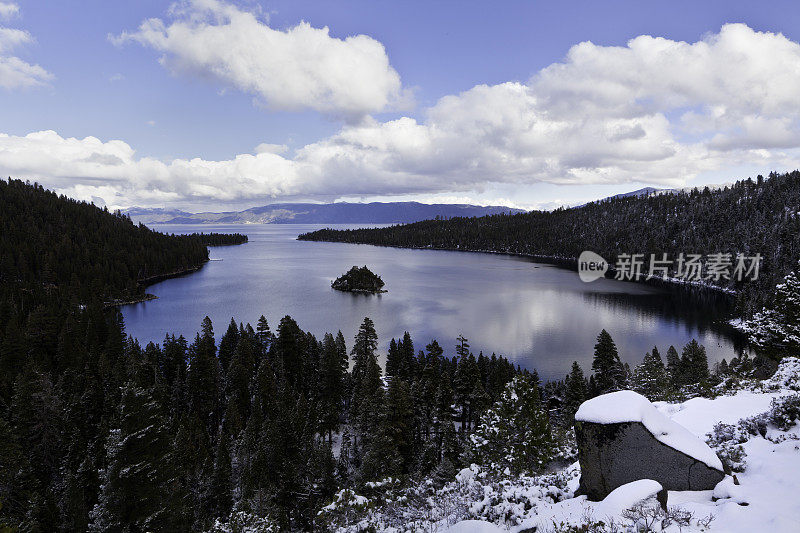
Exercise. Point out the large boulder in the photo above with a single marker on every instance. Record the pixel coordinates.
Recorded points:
(622, 438)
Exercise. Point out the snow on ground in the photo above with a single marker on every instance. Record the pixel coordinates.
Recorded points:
(699, 415)
(475, 526)
(769, 489)
(767, 498)
(770, 486)
(628, 406)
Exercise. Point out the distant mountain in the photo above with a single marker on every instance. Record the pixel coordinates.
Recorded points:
(646, 191)
(338, 213)
(651, 191)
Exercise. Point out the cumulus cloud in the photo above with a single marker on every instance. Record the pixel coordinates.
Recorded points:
(8, 10)
(90, 167)
(294, 69)
(14, 72)
(655, 111)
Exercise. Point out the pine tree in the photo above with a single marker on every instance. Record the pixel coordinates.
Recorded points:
(240, 375)
(515, 432)
(608, 369)
(202, 378)
(694, 364)
(288, 349)
(444, 473)
(576, 391)
(674, 366)
(388, 450)
(392, 359)
(227, 345)
(139, 490)
(462, 347)
(406, 363)
(344, 463)
(650, 378)
(592, 390)
(399, 416)
(12, 355)
(366, 342)
(221, 483)
(332, 386)
(264, 333)
(17, 486)
(775, 331)
(367, 385)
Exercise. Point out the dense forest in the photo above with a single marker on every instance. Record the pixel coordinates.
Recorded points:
(751, 216)
(60, 250)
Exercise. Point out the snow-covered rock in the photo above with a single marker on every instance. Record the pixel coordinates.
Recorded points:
(622, 437)
(728, 489)
(629, 406)
(628, 495)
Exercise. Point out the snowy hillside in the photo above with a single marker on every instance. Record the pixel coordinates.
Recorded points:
(753, 429)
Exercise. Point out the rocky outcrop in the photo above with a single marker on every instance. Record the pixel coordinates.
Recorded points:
(623, 438)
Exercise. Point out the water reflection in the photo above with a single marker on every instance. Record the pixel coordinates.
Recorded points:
(536, 314)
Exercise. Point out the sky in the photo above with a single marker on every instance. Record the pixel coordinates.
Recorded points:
(212, 104)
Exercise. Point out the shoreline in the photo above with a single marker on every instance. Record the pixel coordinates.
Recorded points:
(152, 280)
(570, 263)
(119, 303)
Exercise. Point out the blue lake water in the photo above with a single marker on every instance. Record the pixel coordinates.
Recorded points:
(538, 315)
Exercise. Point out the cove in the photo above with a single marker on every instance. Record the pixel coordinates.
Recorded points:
(538, 315)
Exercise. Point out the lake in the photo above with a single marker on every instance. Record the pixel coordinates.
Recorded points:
(538, 315)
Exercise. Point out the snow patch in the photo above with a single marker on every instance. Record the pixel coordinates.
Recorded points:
(474, 526)
(727, 489)
(628, 495)
(700, 415)
(465, 475)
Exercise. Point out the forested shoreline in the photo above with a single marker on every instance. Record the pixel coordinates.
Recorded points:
(748, 217)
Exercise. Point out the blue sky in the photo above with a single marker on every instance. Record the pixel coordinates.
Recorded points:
(101, 85)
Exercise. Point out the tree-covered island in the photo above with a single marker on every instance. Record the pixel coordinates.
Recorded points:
(359, 279)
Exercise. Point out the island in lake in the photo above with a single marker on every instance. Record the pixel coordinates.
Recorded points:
(359, 279)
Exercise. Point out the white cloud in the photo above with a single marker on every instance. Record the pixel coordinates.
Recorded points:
(14, 72)
(90, 167)
(11, 38)
(267, 148)
(655, 112)
(8, 10)
(294, 69)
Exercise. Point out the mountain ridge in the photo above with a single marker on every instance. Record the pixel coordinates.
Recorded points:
(308, 213)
